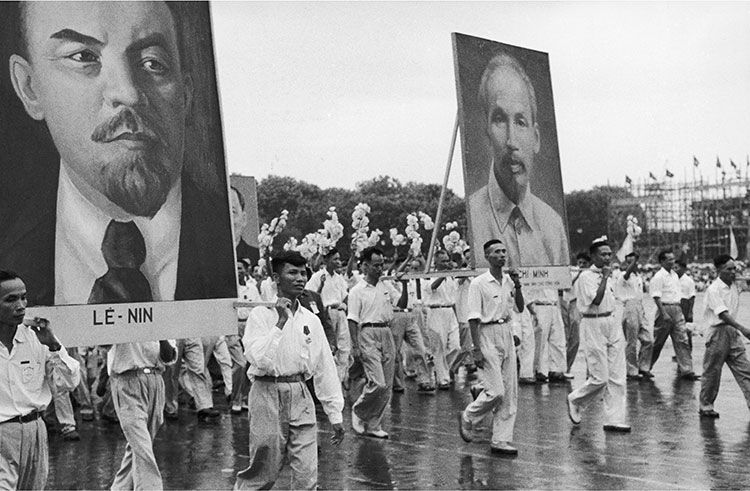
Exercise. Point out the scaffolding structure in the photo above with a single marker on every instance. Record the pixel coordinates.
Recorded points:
(696, 218)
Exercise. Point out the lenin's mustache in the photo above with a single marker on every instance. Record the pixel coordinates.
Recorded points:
(126, 124)
(138, 182)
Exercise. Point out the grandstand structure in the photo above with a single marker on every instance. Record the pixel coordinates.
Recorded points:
(697, 217)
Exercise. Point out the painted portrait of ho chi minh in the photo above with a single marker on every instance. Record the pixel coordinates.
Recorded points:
(512, 173)
(114, 185)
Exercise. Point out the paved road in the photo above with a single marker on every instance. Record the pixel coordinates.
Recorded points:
(670, 447)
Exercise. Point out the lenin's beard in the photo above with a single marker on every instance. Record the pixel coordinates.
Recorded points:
(136, 181)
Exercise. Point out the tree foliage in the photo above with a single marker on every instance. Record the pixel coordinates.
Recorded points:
(389, 199)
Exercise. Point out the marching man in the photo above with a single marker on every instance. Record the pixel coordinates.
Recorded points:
(603, 342)
(285, 346)
(492, 298)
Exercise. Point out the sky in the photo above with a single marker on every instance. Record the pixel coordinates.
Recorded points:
(335, 93)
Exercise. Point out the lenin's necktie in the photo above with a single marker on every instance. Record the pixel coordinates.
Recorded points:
(124, 252)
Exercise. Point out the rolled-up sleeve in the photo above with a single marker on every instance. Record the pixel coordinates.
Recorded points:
(261, 339)
(714, 302)
(355, 305)
(63, 372)
(656, 285)
(474, 301)
(586, 288)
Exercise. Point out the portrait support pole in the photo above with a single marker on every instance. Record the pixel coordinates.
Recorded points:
(439, 216)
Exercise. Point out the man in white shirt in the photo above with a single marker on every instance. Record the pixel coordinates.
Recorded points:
(247, 292)
(333, 290)
(33, 364)
(603, 343)
(285, 346)
(628, 290)
(370, 314)
(687, 297)
(666, 290)
(724, 343)
(439, 296)
(493, 296)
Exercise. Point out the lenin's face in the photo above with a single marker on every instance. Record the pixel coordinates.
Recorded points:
(106, 78)
(513, 135)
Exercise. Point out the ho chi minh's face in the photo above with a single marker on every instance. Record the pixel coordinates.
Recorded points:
(513, 135)
(106, 78)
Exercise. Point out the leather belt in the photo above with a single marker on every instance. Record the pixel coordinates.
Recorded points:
(282, 379)
(401, 310)
(493, 323)
(446, 306)
(595, 316)
(146, 370)
(32, 416)
(548, 303)
(374, 324)
(671, 304)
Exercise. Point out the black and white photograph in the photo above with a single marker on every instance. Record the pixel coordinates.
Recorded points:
(374, 245)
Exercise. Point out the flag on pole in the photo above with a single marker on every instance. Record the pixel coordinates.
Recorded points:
(628, 180)
(732, 244)
(652, 176)
(718, 164)
(669, 174)
(695, 161)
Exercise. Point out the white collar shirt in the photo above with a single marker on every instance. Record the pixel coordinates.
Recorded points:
(630, 289)
(300, 347)
(490, 300)
(79, 233)
(30, 372)
(133, 356)
(666, 285)
(586, 288)
(443, 295)
(335, 288)
(687, 287)
(720, 298)
(372, 303)
(535, 238)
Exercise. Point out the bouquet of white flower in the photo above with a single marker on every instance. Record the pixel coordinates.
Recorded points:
(361, 226)
(269, 232)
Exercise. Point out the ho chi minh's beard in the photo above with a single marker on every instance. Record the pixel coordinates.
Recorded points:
(139, 184)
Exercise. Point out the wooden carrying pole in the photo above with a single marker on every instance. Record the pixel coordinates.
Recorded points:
(439, 216)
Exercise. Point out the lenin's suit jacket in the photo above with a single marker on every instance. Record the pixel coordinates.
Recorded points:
(205, 267)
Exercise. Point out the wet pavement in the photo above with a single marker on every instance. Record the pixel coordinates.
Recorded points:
(669, 447)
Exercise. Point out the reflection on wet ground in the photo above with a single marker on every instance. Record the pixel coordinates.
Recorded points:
(670, 447)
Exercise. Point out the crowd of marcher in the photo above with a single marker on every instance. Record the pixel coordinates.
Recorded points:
(349, 335)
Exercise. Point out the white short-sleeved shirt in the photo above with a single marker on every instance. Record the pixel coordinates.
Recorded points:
(490, 300)
(372, 303)
(630, 289)
(445, 294)
(586, 288)
(687, 287)
(335, 288)
(666, 286)
(720, 297)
